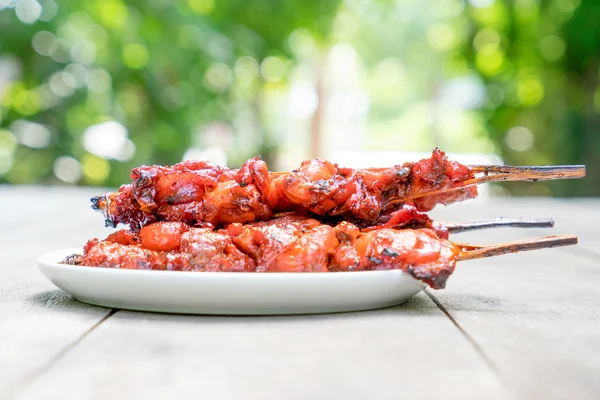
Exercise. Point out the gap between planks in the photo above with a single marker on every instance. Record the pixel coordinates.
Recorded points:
(31, 377)
(478, 349)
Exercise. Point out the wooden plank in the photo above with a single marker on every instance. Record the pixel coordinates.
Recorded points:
(536, 315)
(410, 351)
(37, 321)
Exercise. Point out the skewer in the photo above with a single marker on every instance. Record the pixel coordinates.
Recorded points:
(455, 227)
(519, 173)
(472, 251)
(553, 171)
(506, 173)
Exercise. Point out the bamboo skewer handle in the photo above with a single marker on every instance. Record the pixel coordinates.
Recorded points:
(509, 172)
(502, 173)
(471, 252)
(498, 173)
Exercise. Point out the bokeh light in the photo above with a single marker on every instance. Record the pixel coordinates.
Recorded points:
(112, 13)
(28, 11)
(99, 81)
(303, 100)
(218, 77)
(273, 69)
(49, 10)
(519, 138)
(95, 169)
(62, 84)
(490, 60)
(135, 55)
(552, 47)
(246, 68)
(26, 102)
(201, 7)
(67, 169)
(83, 52)
(109, 140)
(31, 134)
(530, 90)
(442, 37)
(44, 43)
(487, 39)
(8, 144)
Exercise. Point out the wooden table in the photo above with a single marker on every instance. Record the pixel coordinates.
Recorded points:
(523, 326)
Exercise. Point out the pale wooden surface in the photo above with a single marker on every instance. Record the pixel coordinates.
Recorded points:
(516, 327)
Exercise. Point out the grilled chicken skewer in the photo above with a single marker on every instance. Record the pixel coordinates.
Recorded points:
(200, 193)
(292, 244)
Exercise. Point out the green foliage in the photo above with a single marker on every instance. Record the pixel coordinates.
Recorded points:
(161, 68)
(541, 59)
(197, 74)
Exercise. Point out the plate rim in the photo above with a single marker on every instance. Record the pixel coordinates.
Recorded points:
(296, 291)
(49, 260)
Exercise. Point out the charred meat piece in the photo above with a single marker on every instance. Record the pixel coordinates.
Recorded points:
(199, 193)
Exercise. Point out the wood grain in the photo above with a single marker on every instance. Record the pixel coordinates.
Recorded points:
(410, 351)
(38, 321)
(535, 315)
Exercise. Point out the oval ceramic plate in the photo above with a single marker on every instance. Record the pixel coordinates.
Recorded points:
(229, 293)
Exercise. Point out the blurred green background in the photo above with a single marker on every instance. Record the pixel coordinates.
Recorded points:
(90, 89)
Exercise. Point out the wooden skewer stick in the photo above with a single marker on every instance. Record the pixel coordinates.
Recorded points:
(507, 173)
(523, 172)
(532, 174)
(471, 251)
(456, 227)
(536, 172)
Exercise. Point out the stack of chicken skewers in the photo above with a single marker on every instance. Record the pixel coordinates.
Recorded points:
(197, 216)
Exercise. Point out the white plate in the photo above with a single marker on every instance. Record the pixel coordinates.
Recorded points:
(229, 293)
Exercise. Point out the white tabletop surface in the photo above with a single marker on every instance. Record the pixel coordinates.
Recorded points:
(522, 326)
